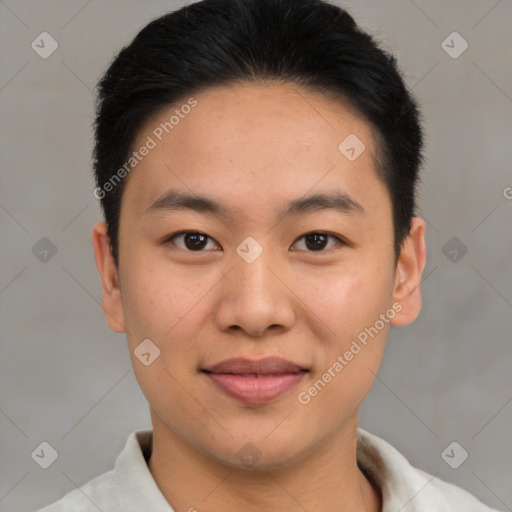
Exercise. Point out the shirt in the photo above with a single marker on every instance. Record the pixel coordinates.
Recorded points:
(130, 486)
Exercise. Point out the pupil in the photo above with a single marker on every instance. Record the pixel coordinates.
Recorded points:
(199, 240)
(317, 237)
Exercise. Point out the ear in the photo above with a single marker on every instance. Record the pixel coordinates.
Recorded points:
(409, 269)
(111, 294)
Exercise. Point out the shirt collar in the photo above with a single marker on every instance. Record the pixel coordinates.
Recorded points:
(400, 485)
(135, 484)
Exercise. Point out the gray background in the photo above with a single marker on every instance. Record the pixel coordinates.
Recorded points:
(66, 379)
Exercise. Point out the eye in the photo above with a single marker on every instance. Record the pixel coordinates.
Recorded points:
(316, 241)
(195, 241)
(192, 240)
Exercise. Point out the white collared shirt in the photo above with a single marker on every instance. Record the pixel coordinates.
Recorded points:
(130, 486)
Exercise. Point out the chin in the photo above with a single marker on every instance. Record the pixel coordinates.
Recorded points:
(248, 453)
(258, 461)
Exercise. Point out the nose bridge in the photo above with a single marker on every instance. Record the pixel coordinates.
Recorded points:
(253, 298)
(251, 277)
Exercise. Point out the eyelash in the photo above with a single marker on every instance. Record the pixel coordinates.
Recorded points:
(339, 241)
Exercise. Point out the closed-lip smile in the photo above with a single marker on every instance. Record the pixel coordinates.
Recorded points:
(255, 381)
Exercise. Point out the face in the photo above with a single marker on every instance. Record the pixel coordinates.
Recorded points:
(289, 256)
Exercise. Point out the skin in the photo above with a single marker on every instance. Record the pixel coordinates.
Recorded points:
(253, 148)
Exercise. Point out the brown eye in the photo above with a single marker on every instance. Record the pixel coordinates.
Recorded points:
(194, 241)
(190, 240)
(318, 241)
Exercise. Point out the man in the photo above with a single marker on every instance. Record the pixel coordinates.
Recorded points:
(257, 164)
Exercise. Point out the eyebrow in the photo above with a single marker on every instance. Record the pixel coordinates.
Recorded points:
(337, 201)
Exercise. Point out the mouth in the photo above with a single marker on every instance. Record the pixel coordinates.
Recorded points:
(255, 382)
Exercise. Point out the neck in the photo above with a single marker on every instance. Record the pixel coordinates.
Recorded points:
(328, 479)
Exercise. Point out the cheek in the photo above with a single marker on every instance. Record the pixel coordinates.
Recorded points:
(351, 354)
(161, 300)
(162, 304)
(347, 300)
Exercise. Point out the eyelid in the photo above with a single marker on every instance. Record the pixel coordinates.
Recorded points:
(340, 242)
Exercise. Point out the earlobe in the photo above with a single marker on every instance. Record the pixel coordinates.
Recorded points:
(409, 269)
(111, 293)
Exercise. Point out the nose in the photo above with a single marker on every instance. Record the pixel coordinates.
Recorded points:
(254, 297)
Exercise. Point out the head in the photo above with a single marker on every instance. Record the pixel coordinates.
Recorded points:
(298, 146)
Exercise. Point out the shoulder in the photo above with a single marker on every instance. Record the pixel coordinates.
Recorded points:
(450, 496)
(97, 494)
(404, 487)
(128, 486)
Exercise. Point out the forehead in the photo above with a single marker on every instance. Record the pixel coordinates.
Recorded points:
(252, 139)
(245, 115)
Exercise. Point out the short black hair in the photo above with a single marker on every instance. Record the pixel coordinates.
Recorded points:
(310, 43)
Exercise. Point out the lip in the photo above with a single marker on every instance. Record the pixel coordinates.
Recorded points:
(255, 382)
